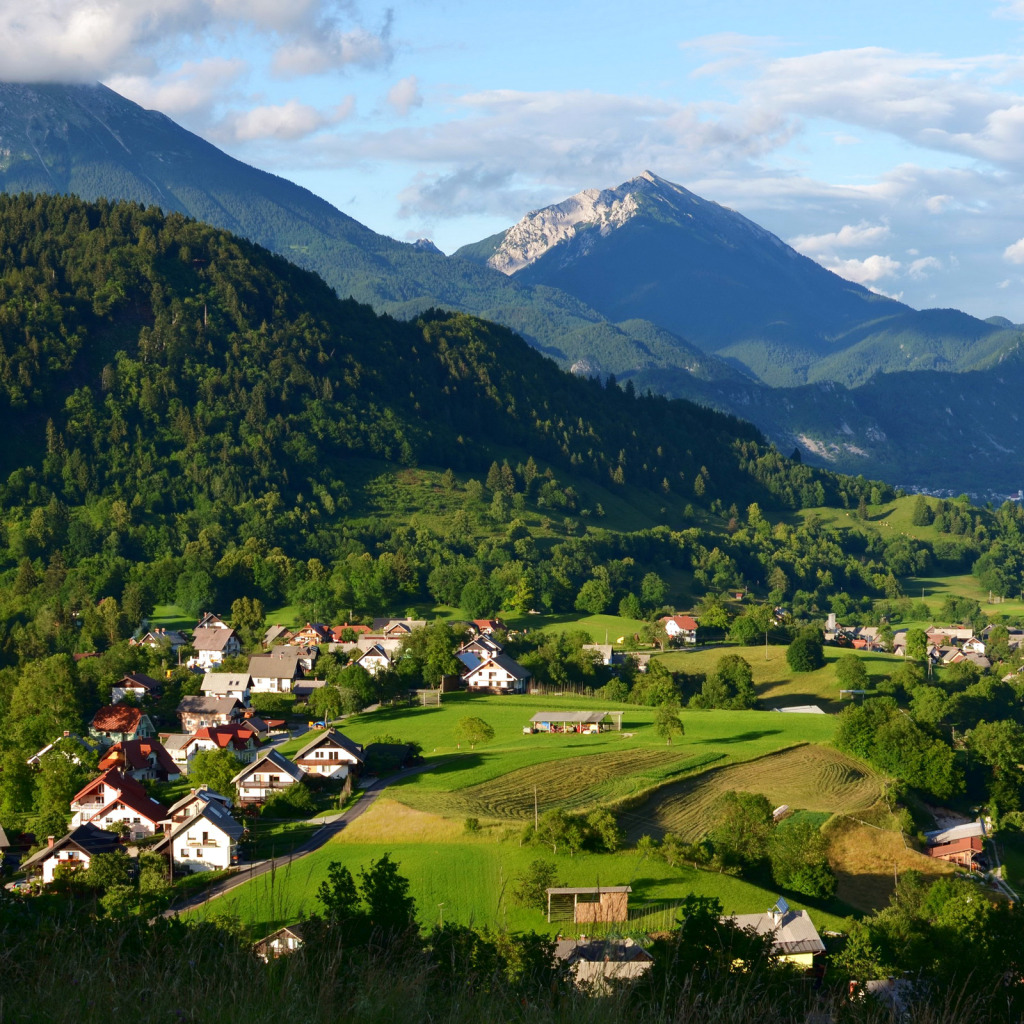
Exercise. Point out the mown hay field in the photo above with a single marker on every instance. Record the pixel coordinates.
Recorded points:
(573, 783)
(808, 777)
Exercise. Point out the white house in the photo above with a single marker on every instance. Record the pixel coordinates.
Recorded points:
(228, 684)
(212, 645)
(191, 804)
(75, 850)
(498, 674)
(375, 659)
(267, 775)
(206, 841)
(113, 798)
(200, 712)
(138, 684)
(331, 755)
(680, 627)
(275, 672)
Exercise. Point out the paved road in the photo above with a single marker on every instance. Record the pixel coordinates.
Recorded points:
(330, 828)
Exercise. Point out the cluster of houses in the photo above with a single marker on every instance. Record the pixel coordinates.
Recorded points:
(947, 645)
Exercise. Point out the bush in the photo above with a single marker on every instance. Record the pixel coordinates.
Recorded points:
(294, 802)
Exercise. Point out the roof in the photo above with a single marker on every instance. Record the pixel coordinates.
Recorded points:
(801, 709)
(275, 633)
(581, 717)
(210, 620)
(972, 844)
(687, 622)
(296, 931)
(583, 890)
(208, 705)
(304, 687)
(377, 650)
(951, 834)
(600, 950)
(470, 659)
(215, 813)
(215, 683)
(4, 841)
(174, 740)
(236, 736)
(129, 792)
(336, 631)
(139, 680)
(89, 838)
(513, 668)
(277, 760)
(332, 738)
(793, 930)
(116, 718)
(282, 664)
(135, 755)
(485, 624)
(202, 793)
(211, 638)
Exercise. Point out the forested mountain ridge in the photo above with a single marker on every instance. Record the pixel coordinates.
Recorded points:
(89, 141)
(182, 403)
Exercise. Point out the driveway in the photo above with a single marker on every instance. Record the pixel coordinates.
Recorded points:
(331, 827)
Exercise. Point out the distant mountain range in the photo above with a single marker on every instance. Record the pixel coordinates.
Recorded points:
(647, 281)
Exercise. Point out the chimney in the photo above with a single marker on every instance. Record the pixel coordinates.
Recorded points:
(67, 733)
(49, 842)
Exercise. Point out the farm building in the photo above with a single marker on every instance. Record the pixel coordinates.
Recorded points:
(961, 852)
(589, 904)
(596, 962)
(575, 721)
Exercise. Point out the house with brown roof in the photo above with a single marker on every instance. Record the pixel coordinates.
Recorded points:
(276, 634)
(72, 851)
(191, 804)
(141, 759)
(199, 712)
(206, 841)
(284, 940)
(498, 674)
(331, 755)
(210, 621)
(228, 684)
(212, 645)
(275, 672)
(138, 685)
(488, 626)
(114, 797)
(268, 775)
(348, 630)
(118, 722)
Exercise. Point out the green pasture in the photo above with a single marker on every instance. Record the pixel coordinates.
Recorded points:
(468, 882)
(776, 683)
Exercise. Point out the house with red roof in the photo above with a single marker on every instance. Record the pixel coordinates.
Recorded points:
(115, 797)
(488, 626)
(680, 627)
(118, 722)
(141, 759)
(242, 740)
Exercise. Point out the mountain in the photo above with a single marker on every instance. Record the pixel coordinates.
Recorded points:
(89, 141)
(653, 250)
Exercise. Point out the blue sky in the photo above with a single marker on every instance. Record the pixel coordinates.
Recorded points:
(885, 140)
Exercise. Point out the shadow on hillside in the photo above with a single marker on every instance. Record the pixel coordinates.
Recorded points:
(462, 761)
(743, 737)
(390, 714)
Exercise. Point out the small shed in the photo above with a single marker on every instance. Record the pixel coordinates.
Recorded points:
(575, 721)
(588, 904)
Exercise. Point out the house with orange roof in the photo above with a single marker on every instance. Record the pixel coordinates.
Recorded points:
(141, 759)
(118, 722)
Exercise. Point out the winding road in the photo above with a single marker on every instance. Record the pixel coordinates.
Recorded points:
(331, 827)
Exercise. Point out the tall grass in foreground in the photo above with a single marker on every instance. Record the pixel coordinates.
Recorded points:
(82, 971)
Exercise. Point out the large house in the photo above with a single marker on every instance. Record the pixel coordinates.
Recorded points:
(595, 963)
(113, 798)
(141, 759)
(374, 659)
(331, 755)
(119, 722)
(200, 712)
(275, 672)
(228, 684)
(680, 627)
(75, 850)
(266, 776)
(191, 804)
(206, 841)
(237, 737)
(498, 674)
(212, 645)
(284, 940)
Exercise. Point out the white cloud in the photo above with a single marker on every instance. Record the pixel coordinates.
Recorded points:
(194, 86)
(937, 204)
(86, 40)
(921, 268)
(405, 94)
(287, 121)
(1014, 253)
(850, 236)
(865, 271)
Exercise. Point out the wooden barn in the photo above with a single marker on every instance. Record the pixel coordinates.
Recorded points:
(588, 904)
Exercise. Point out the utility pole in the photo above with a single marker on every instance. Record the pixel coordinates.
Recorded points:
(535, 818)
